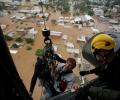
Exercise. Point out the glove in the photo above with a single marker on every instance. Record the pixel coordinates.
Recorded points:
(82, 73)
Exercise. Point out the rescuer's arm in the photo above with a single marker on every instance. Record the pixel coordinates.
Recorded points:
(59, 59)
(93, 71)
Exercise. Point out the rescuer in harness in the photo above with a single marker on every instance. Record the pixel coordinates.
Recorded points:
(42, 72)
(45, 67)
(107, 85)
(53, 77)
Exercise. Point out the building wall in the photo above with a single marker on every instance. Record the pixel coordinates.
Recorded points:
(5, 0)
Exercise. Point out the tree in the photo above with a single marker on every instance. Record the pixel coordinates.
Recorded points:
(90, 12)
(66, 7)
(8, 38)
(82, 6)
(39, 52)
(29, 40)
(19, 39)
(62, 5)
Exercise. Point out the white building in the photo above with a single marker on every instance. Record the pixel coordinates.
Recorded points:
(95, 31)
(56, 34)
(5, 0)
(81, 39)
(114, 9)
(98, 11)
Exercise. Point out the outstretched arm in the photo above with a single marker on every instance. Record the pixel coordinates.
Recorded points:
(59, 59)
(96, 70)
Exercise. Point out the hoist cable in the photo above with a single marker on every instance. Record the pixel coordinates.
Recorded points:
(41, 4)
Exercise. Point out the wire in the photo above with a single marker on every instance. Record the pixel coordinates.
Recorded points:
(41, 4)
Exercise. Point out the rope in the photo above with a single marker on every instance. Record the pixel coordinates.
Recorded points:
(41, 4)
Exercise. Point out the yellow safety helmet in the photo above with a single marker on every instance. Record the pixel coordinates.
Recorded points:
(102, 41)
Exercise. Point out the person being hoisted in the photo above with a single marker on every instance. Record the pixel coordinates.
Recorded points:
(65, 79)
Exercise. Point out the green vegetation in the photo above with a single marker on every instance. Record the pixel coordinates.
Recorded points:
(83, 7)
(30, 41)
(8, 38)
(61, 5)
(108, 13)
(76, 13)
(90, 12)
(19, 39)
(66, 7)
(79, 6)
(39, 52)
(45, 18)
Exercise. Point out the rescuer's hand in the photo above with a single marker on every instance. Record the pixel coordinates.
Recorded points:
(82, 73)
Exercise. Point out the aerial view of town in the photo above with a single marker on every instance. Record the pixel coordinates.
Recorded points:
(71, 24)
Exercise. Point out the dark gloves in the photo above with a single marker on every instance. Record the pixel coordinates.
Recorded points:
(82, 73)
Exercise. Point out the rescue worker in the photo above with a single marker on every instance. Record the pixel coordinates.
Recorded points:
(42, 72)
(107, 85)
